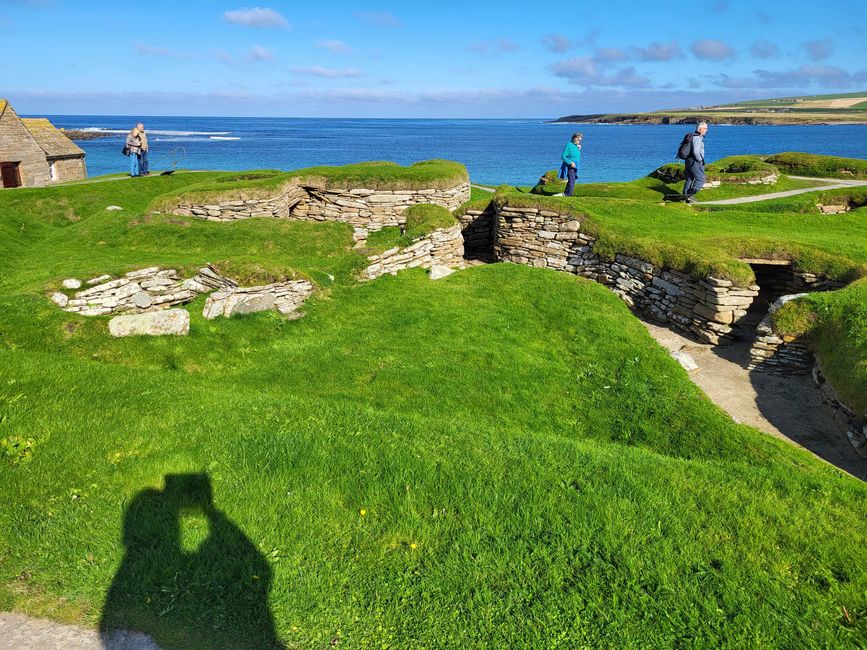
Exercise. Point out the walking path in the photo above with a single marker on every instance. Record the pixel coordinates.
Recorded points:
(20, 632)
(785, 407)
(833, 184)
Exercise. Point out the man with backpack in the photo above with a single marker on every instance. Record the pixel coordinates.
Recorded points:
(691, 151)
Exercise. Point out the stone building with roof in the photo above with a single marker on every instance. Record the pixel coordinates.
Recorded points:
(33, 152)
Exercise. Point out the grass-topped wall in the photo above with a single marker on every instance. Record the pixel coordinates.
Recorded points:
(233, 186)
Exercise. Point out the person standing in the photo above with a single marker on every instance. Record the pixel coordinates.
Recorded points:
(143, 162)
(133, 149)
(571, 158)
(694, 164)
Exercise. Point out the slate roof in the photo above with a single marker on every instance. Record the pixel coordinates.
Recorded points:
(53, 142)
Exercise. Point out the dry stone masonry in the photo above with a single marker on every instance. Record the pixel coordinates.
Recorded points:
(775, 353)
(478, 231)
(706, 309)
(856, 425)
(364, 209)
(444, 247)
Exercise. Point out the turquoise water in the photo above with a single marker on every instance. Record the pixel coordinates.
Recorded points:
(516, 152)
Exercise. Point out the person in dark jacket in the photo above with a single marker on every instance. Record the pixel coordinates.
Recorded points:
(694, 166)
(571, 158)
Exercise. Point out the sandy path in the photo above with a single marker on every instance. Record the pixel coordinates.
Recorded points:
(786, 407)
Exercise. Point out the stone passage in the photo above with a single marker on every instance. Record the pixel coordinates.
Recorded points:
(443, 246)
(478, 232)
(704, 308)
(367, 209)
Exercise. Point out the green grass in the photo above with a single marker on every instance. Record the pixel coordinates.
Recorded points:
(835, 324)
(369, 175)
(806, 164)
(502, 458)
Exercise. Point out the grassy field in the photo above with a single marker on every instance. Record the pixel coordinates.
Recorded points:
(809, 109)
(503, 458)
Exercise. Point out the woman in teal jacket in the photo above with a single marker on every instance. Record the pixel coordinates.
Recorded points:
(571, 158)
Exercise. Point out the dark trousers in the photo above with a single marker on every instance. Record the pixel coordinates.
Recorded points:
(571, 175)
(694, 177)
(143, 165)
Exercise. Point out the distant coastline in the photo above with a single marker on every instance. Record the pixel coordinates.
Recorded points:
(714, 118)
(78, 134)
(825, 110)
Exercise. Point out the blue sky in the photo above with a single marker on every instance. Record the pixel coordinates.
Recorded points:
(430, 59)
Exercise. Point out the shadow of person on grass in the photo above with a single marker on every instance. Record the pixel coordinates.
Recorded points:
(212, 596)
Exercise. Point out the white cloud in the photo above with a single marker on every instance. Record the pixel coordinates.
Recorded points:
(658, 52)
(378, 18)
(338, 47)
(825, 76)
(489, 48)
(582, 71)
(762, 49)
(259, 53)
(329, 73)
(820, 49)
(257, 17)
(709, 49)
(556, 42)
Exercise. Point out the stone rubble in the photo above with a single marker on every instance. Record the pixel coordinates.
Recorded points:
(685, 360)
(285, 297)
(71, 283)
(440, 271)
(155, 289)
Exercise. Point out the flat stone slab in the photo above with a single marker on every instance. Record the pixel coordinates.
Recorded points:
(685, 360)
(174, 322)
(439, 271)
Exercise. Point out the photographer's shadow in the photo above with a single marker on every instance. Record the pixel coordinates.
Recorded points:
(212, 596)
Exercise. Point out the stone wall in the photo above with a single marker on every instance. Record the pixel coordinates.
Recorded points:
(855, 423)
(68, 169)
(443, 246)
(285, 297)
(362, 208)
(706, 309)
(17, 145)
(776, 353)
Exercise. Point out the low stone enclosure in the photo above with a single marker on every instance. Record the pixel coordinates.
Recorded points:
(363, 208)
(155, 289)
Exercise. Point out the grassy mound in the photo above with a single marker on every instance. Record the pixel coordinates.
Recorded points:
(500, 458)
(369, 175)
(807, 164)
(421, 220)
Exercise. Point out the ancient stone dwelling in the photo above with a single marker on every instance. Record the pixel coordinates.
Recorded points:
(33, 152)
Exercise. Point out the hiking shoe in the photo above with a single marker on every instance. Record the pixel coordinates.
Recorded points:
(690, 200)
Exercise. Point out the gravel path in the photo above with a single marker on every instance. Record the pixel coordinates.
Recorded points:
(20, 632)
(785, 407)
(833, 184)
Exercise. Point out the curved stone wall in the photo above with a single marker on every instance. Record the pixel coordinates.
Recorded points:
(369, 209)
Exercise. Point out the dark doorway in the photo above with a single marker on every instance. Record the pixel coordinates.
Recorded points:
(10, 173)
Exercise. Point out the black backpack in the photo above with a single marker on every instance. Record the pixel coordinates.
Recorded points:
(685, 147)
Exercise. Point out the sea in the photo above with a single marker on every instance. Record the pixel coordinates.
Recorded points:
(495, 151)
